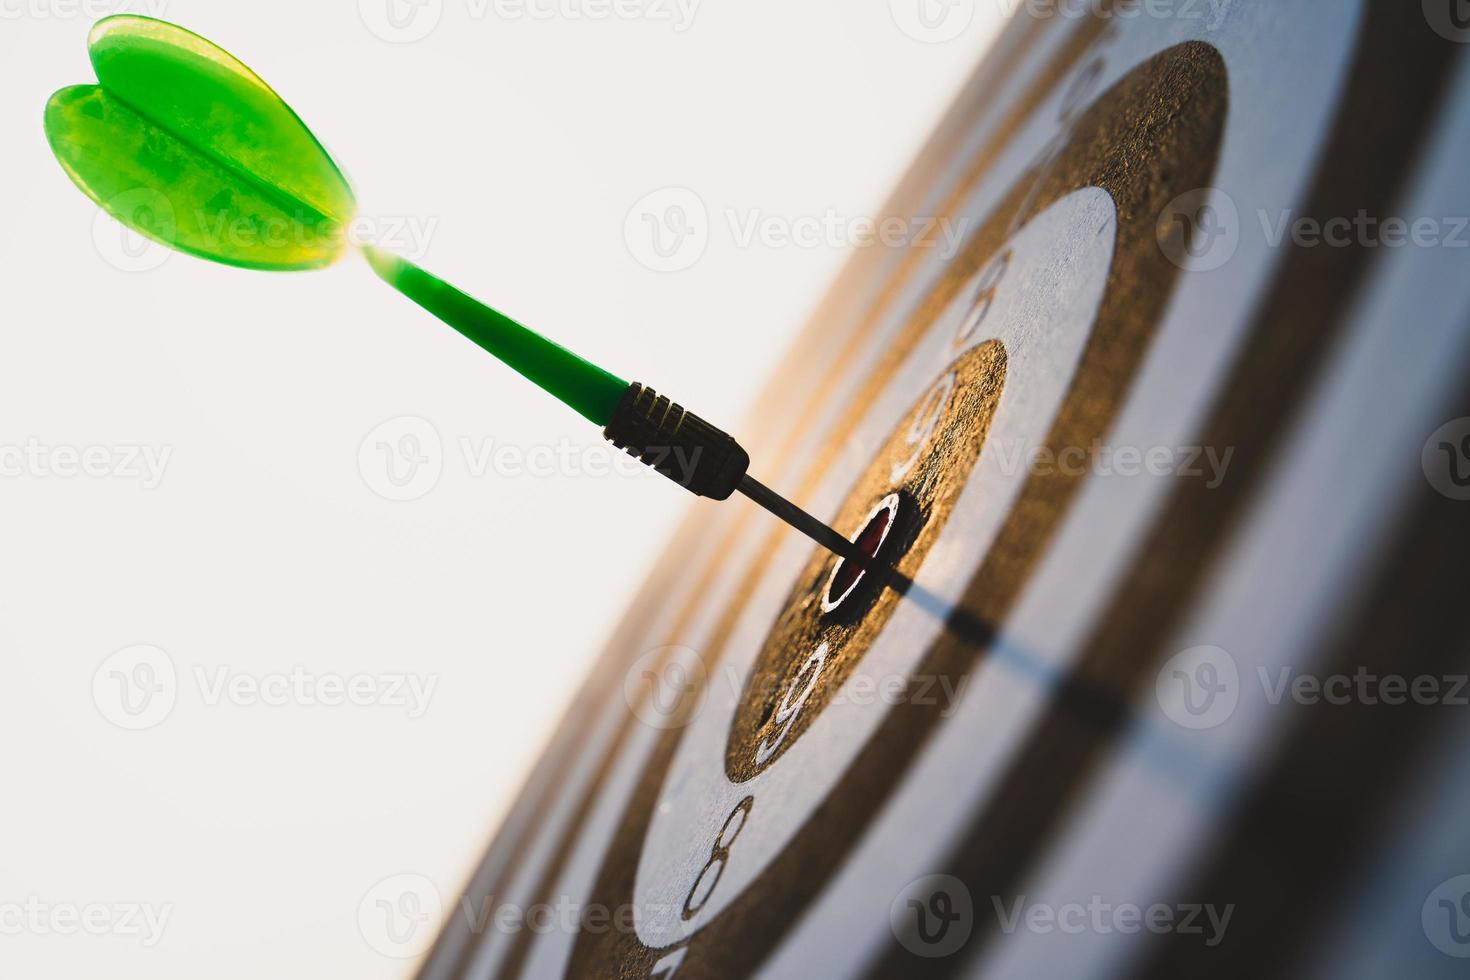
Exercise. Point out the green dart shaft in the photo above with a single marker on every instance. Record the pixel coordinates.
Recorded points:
(588, 389)
(677, 443)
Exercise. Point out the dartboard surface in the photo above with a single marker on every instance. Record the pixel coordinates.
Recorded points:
(1172, 448)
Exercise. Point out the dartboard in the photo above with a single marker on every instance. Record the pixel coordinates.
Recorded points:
(1172, 448)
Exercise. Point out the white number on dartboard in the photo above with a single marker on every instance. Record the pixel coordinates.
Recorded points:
(669, 965)
(719, 856)
(1079, 93)
(985, 290)
(791, 706)
(924, 425)
(1082, 88)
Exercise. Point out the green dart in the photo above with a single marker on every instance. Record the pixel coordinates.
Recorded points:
(181, 142)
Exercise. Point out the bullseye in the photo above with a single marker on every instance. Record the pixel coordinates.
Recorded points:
(875, 533)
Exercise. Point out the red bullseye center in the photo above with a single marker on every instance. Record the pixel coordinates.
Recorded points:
(870, 539)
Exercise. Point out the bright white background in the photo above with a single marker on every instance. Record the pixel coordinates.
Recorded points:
(262, 547)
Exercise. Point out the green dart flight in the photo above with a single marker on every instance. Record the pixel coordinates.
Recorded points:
(184, 144)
